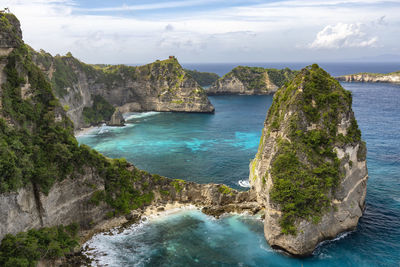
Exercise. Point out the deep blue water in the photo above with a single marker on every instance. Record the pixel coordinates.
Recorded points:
(217, 148)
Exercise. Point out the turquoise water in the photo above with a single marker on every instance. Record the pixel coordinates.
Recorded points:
(217, 148)
(197, 147)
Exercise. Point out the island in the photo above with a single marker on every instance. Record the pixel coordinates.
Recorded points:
(245, 80)
(393, 77)
(310, 170)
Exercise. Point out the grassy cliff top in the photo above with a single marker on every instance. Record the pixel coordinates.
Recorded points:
(255, 76)
(10, 31)
(305, 169)
(66, 71)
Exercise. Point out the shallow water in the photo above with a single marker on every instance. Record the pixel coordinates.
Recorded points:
(217, 148)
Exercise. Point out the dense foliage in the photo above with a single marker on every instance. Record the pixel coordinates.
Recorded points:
(203, 78)
(255, 78)
(37, 145)
(100, 111)
(306, 170)
(280, 77)
(36, 137)
(27, 248)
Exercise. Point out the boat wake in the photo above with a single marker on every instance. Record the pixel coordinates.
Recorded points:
(244, 183)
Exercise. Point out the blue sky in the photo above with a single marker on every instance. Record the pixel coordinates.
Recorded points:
(198, 31)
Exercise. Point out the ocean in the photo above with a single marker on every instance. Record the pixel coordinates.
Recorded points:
(217, 148)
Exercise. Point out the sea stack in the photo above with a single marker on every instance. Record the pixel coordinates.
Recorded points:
(310, 170)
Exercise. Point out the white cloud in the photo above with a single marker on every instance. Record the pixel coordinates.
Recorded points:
(344, 35)
(263, 32)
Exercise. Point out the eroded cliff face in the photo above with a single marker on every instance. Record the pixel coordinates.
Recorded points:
(67, 202)
(250, 81)
(159, 86)
(310, 170)
(371, 77)
(48, 179)
(73, 200)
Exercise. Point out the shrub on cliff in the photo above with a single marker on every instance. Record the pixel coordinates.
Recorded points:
(27, 248)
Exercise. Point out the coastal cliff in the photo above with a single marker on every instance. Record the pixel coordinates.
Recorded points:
(48, 180)
(159, 86)
(310, 170)
(393, 77)
(251, 81)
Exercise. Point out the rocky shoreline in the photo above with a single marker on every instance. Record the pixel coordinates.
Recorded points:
(83, 255)
(371, 77)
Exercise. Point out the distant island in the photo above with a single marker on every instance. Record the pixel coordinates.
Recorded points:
(393, 77)
(203, 78)
(245, 80)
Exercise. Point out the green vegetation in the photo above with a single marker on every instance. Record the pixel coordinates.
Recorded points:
(27, 248)
(305, 169)
(126, 188)
(375, 74)
(100, 111)
(225, 190)
(280, 77)
(35, 147)
(255, 77)
(178, 184)
(203, 78)
(252, 77)
(38, 149)
(10, 33)
(63, 76)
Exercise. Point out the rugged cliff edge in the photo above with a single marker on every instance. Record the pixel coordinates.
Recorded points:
(48, 179)
(251, 81)
(310, 170)
(159, 86)
(393, 77)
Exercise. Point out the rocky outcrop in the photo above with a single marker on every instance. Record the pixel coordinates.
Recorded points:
(159, 86)
(251, 81)
(10, 31)
(310, 170)
(67, 202)
(116, 119)
(393, 77)
(71, 201)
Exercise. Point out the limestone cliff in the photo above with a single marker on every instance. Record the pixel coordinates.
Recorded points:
(393, 77)
(251, 81)
(159, 86)
(48, 179)
(310, 170)
(116, 119)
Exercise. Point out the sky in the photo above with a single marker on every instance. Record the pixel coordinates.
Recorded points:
(212, 31)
